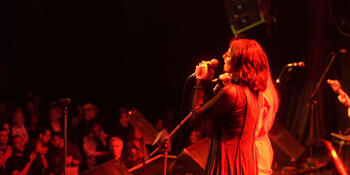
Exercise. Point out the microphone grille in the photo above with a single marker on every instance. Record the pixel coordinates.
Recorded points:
(214, 63)
(301, 64)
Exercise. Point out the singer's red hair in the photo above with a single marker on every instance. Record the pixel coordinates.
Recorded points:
(249, 63)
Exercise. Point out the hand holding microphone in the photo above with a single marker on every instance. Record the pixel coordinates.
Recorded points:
(205, 69)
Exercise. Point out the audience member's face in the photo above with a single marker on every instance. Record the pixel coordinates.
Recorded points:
(96, 129)
(137, 134)
(117, 148)
(6, 126)
(134, 149)
(89, 114)
(3, 138)
(90, 161)
(34, 120)
(54, 114)
(123, 117)
(159, 125)
(18, 144)
(30, 107)
(18, 119)
(56, 141)
(45, 137)
(195, 136)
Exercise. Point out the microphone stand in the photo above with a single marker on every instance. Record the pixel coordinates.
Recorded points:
(282, 74)
(65, 112)
(164, 143)
(313, 101)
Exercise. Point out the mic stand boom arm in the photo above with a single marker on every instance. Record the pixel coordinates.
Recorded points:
(313, 101)
(163, 144)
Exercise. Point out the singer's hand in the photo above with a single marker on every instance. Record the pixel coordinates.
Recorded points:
(203, 72)
(226, 79)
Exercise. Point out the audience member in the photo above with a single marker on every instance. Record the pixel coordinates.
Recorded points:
(135, 153)
(78, 117)
(5, 150)
(84, 125)
(116, 147)
(95, 145)
(18, 164)
(18, 127)
(40, 145)
(122, 128)
(164, 132)
(73, 160)
(195, 136)
(32, 126)
(55, 116)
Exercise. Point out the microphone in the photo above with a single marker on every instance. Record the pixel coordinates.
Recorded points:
(216, 80)
(342, 51)
(64, 101)
(213, 63)
(296, 64)
(289, 66)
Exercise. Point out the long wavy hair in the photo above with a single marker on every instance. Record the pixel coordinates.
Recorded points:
(249, 63)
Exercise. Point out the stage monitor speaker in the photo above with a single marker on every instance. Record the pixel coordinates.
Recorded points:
(153, 166)
(286, 142)
(243, 15)
(113, 167)
(192, 159)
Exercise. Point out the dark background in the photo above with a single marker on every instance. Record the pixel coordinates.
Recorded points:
(139, 53)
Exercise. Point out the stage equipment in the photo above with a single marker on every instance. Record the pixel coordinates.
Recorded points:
(136, 120)
(313, 102)
(63, 103)
(342, 144)
(339, 165)
(243, 15)
(289, 68)
(153, 166)
(113, 167)
(192, 159)
(286, 142)
(149, 133)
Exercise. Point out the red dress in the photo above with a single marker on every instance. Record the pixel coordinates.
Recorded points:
(234, 112)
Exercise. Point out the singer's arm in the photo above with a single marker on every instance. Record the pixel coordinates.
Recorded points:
(223, 101)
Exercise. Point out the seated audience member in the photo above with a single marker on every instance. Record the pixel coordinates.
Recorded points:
(195, 136)
(55, 116)
(135, 153)
(5, 150)
(116, 146)
(95, 144)
(73, 159)
(159, 125)
(18, 164)
(122, 128)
